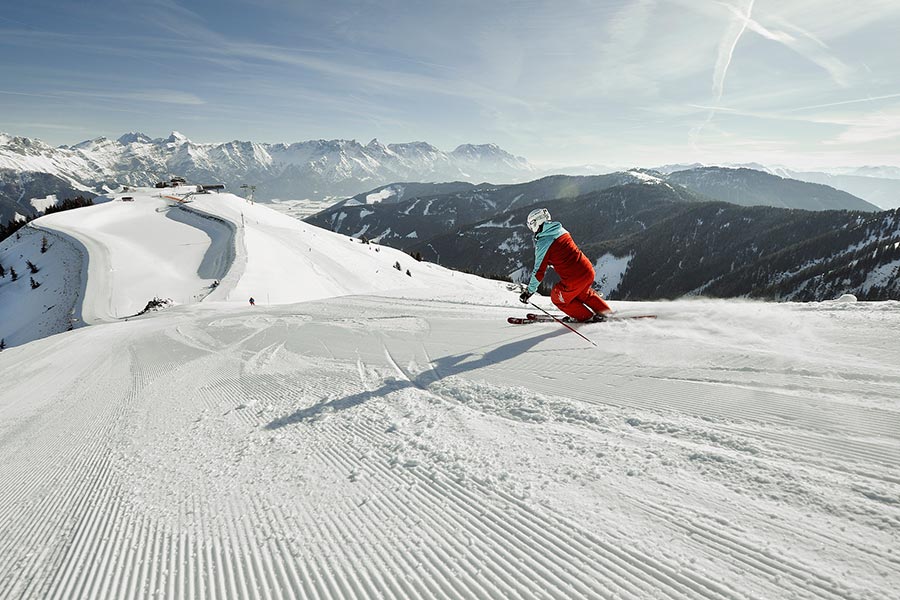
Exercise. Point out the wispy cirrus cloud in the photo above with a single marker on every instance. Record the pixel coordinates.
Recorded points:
(846, 102)
(798, 40)
(794, 113)
(159, 96)
(28, 95)
(877, 126)
(47, 126)
(735, 29)
(802, 42)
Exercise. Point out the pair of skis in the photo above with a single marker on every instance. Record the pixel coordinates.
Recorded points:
(538, 318)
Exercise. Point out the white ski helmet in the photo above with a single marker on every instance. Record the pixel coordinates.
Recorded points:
(536, 218)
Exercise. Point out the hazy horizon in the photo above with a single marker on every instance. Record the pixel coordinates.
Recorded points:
(801, 83)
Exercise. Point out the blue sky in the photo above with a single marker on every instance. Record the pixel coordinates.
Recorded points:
(642, 82)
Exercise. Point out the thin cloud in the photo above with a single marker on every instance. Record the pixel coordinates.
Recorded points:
(156, 96)
(844, 102)
(729, 41)
(383, 80)
(29, 95)
(879, 126)
(806, 45)
(736, 28)
(49, 126)
(815, 51)
(208, 44)
(797, 39)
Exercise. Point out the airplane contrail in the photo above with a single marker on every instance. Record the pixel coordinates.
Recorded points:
(724, 58)
(723, 61)
(856, 101)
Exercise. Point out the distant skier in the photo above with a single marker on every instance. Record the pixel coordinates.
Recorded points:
(554, 247)
(252, 302)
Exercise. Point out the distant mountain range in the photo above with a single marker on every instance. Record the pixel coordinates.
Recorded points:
(880, 190)
(31, 169)
(748, 187)
(650, 237)
(878, 185)
(413, 211)
(35, 175)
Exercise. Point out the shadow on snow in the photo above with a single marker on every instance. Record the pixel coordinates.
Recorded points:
(447, 366)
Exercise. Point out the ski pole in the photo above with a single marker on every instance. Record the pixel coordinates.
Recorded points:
(566, 325)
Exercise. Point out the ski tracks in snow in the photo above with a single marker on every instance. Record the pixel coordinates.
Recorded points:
(282, 455)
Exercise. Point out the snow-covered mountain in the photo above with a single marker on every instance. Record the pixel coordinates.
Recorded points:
(370, 432)
(650, 237)
(312, 169)
(874, 186)
(752, 187)
(879, 186)
(106, 262)
(879, 171)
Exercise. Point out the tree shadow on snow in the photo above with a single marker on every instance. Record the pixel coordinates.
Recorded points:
(446, 366)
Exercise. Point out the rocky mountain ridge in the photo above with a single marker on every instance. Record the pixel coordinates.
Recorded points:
(315, 169)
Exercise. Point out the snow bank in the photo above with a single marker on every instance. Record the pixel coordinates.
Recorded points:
(846, 298)
(28, 313)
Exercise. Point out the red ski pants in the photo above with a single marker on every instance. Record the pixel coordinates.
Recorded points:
(578, 299)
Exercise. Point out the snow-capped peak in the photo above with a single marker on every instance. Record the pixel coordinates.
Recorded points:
(24, 145)
(176, 137)
(490, 154)
(134, 137)
(413, 148)
(480, 150)
(91, 144)
(380, 151)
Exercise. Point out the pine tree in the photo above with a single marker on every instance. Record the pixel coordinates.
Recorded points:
(2, 344)
(12, 274)
(32, 267)
(34, 284)
(44, 244)
(2, 271)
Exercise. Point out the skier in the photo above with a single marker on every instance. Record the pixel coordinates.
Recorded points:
(554, 247)
(252, 302)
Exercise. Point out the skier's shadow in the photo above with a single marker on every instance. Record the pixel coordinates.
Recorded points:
(446, 366)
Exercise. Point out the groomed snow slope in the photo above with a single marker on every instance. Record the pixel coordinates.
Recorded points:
(153, 246)
(364, 433)
(373, 447)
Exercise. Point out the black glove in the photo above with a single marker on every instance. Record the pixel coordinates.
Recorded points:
(524, 296)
